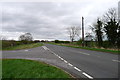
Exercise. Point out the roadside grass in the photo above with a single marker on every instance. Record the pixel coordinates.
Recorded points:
(0, 68)
(21, 68)
(23, 46)
(88, 48)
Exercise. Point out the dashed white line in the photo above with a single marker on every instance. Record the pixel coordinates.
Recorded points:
(87, 75)
(55, 54)
(115, 60)
(44, 47)
(70, 64)
(26, 50)
(59, 57)
(65, 61)
(84, 53)
(77, 69)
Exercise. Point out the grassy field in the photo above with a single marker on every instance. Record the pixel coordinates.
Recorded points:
(23, 46)
(21, 68)
(88, 48)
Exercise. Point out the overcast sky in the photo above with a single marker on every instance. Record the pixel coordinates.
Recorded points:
(49, 20)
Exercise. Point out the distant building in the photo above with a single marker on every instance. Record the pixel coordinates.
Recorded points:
(119, 10)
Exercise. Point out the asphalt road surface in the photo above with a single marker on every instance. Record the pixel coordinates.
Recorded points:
(78, 62)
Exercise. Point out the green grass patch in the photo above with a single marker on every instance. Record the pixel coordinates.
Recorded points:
(21, 68)
(88, 48)
(0, 68)
(23, 46)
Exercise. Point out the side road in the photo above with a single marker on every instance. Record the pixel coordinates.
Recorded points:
(42, 54)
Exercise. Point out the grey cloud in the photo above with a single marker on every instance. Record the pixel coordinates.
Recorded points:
(44, 19)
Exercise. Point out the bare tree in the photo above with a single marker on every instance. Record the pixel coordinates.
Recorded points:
(111, 14)
(73, 32)
(26, 37)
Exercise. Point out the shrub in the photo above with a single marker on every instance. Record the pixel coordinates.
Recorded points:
(11, 43)
(57, 41)
(36, 41)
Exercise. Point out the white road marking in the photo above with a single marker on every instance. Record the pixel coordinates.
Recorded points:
(70, 64)
(77, 69)
(87, 75)
(65, 61)
(115, 60)
(57, 55)
(26, 50)
(84, 53)
(44, 47)
(61, 58)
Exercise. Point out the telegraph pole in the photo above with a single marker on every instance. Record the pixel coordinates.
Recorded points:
(83, 31)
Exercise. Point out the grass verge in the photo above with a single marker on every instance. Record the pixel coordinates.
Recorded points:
(23, 46)
(21, 68)
(88, 48)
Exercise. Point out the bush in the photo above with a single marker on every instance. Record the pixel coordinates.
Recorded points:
(26, 42)
(106, 44)
(57, 41)
(42, 41)
(11, 43)
(79, 42)
(36, 41)
(6, 44)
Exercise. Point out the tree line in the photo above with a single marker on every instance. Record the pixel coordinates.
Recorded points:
(106, 30)
(26, 38)
(108, 27)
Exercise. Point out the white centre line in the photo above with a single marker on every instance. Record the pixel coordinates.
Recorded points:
(61, 58)
(57, 55)
(44, 47)
(77, 69)
(65, 61)
(84, 53)
(70, 64)
(115, 60)
(87, 75)
(26, 50)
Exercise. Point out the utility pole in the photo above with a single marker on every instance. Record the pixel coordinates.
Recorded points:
(83, 31)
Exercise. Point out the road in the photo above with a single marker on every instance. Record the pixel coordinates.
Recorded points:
(78, 62)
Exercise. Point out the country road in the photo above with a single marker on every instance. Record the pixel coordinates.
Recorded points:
(78, 62)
